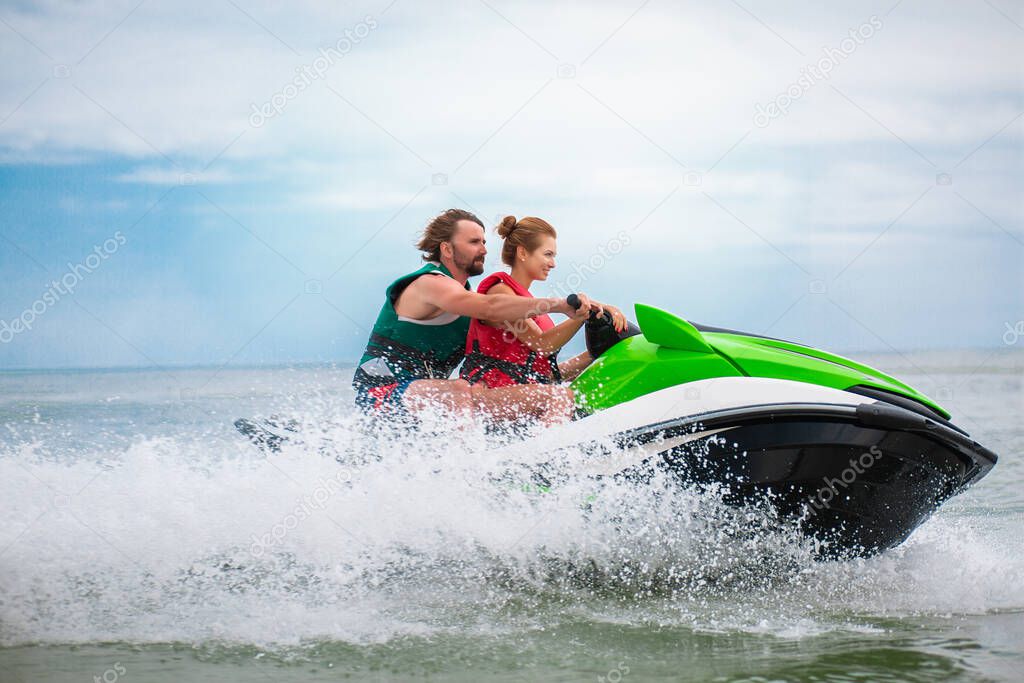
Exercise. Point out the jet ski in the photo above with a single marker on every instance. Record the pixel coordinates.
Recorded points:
(854, 457)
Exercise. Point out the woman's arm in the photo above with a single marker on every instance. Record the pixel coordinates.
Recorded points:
(529, 333)
(572, 368)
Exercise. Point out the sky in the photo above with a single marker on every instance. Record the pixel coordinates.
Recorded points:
(236, 182)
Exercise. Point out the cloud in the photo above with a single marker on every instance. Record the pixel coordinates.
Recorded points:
(171, 176)
(182, 84)
(594, 117)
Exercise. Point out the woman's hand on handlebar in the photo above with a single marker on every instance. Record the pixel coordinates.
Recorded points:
(618, 319)
(587, 307)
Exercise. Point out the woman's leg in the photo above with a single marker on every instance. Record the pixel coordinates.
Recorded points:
(572, 368)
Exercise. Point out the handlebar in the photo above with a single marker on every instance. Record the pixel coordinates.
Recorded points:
(574, 301)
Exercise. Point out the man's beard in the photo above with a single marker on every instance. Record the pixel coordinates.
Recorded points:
(470, 264)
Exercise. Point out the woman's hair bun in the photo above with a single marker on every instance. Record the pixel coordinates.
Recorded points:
(507, 225)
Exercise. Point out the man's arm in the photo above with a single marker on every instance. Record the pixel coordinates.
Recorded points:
(448, 295)
(528, 331)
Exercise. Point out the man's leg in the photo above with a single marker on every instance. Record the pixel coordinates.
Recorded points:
(451, 396)
(550, 404)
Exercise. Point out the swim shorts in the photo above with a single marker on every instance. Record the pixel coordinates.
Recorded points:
(379, 398)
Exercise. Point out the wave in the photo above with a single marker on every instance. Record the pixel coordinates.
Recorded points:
(350, 536)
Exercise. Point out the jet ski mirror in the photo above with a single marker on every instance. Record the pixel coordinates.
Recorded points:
(600, 332)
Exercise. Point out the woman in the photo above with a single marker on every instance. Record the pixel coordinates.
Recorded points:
(505, 352)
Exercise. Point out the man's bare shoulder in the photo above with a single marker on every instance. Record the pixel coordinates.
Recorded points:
(422, 296)
(431, 283)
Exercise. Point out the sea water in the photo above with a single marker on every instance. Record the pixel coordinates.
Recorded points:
(144, 539)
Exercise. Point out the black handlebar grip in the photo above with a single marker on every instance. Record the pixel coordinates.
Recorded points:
(574, 301)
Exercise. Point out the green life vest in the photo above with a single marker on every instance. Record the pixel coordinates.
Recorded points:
(403, 348)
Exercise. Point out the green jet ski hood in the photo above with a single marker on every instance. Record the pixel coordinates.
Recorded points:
(672, 351)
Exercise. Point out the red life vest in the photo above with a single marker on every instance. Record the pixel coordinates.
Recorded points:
(496, 357)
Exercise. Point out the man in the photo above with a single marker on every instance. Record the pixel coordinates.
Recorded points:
(420, 334)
